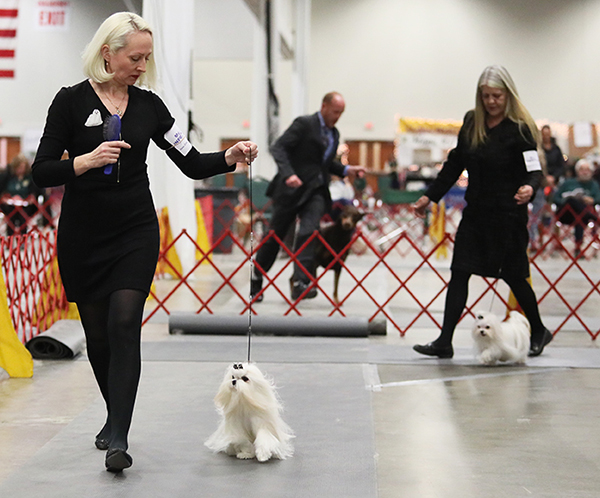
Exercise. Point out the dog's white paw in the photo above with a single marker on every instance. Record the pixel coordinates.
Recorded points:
(245, 450)
(231, 450)
(245, 455)
(487, 358)
(262, 455)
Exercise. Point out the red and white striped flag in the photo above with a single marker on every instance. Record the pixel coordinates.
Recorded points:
(9, 18)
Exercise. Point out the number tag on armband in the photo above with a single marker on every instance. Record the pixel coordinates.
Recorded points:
(178, 140)
(532, 161)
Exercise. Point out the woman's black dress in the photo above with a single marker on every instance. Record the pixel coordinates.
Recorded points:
(108, 237)
(492, 236)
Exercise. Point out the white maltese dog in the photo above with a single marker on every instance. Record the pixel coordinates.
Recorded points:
(497, 340)
(251, 424)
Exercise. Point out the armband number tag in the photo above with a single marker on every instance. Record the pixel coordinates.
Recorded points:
(532, 161)
(178, 140)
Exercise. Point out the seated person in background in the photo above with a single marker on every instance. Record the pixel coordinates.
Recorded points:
(575, 200)
(242, 215)
(393, 175)
(19, 195)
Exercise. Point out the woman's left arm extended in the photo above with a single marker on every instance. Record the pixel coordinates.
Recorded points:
(189, 160)
(198, 165)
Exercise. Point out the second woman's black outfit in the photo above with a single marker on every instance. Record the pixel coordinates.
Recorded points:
(492, 237)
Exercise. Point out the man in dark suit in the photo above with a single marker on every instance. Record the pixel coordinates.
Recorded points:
(305, 156)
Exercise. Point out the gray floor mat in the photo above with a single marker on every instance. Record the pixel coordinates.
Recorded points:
(327, 406)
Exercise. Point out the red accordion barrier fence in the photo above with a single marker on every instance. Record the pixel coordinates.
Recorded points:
(393, 271)
(34, 290)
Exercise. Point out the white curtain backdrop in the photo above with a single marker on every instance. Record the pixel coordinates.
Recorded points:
(173, 29)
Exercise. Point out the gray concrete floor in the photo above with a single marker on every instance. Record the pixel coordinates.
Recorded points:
(372, 418)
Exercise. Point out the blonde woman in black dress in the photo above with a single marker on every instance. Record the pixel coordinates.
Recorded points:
(108, 238)
(497, 145)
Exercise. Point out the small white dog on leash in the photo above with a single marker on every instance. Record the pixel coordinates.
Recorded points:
(251, 424)
(497, 340)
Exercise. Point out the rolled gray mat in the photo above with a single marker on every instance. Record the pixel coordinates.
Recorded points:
(63, 340)
(192, 323)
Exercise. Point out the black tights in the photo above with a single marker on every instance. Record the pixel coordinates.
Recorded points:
(456, 300)
(113, 334)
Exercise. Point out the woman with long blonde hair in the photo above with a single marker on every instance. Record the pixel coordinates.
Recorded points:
(497, 145)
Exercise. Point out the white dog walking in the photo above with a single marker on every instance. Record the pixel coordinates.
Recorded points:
(496, 340)
(251, 424)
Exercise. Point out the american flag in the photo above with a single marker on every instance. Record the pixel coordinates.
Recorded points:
(9, 18)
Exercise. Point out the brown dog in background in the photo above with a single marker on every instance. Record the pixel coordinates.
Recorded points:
(338, 236)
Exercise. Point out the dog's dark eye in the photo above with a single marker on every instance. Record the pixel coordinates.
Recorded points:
(245, 379)
(487, 327)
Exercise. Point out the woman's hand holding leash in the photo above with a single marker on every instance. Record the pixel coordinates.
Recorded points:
(241, 152)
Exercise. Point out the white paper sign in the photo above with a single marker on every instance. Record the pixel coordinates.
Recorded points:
(532, 161)
(582, 134)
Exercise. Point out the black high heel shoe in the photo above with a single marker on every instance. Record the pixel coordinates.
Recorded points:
(536, 349)
(117, 459)
(101, 443)
(432, 350)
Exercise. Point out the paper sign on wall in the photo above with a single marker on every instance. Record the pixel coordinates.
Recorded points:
(582, 134)
(52, 15)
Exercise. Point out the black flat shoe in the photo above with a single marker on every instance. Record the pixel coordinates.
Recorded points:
(298, 288)
(432, 350)
(117, 460)
(536, 349)
(101, 443)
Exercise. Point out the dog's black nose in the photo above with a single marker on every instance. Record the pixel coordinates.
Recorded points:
(233, 382)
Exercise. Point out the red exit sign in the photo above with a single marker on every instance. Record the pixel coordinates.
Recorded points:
(53, 15)
(52, 18)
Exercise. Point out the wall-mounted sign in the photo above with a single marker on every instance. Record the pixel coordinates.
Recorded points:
(52, 15)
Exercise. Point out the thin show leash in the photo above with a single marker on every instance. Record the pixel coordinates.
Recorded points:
(249, 161)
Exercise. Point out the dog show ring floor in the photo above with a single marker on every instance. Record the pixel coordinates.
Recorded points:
(372, 418)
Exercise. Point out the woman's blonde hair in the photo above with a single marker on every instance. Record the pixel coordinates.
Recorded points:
(498, 77)
(114, 32)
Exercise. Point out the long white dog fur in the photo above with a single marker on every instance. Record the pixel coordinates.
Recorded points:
(496, 340)
(251, 424)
